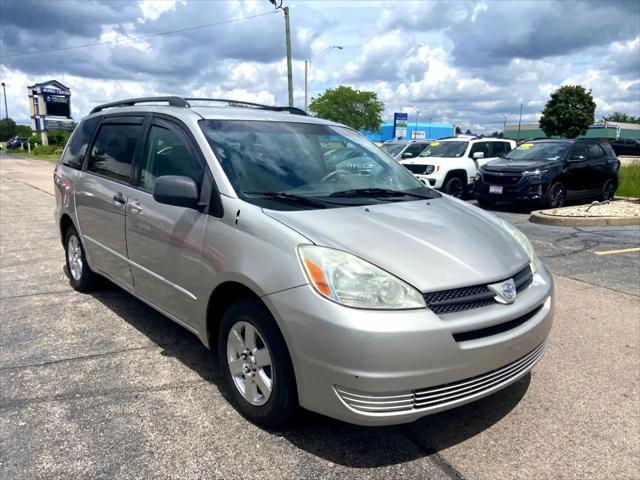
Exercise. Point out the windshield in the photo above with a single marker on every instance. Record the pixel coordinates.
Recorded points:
(549, 151)
(393, 148)
(445, 149)
(276, 163)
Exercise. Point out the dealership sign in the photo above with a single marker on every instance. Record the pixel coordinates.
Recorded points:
(400, 121)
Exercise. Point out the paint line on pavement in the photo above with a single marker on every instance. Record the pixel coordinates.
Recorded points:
(613, 252)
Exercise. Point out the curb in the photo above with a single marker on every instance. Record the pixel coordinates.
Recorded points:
(538, 216)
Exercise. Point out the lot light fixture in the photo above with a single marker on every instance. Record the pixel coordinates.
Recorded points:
(307, 65)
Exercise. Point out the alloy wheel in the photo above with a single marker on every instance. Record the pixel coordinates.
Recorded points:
(557, 196)
(249, 362)
(74, 257)
(608, 189)
(455, 187)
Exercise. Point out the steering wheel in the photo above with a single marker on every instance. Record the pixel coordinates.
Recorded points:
(334, 176)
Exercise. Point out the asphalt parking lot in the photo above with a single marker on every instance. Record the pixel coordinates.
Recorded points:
(102, 386)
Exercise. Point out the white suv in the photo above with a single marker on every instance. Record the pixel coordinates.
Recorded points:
(450, 164)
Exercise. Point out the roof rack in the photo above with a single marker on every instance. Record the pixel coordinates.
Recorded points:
(241, 103)
(172, 101)
(184, 103)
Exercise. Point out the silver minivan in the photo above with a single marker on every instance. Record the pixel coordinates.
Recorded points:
(335, 282)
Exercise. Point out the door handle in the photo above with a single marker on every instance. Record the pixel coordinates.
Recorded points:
(118, 199)
(134, 207)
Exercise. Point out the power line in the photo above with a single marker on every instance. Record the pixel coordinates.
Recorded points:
(141, 37)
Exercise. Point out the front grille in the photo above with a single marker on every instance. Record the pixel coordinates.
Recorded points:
(476, 296)
(448, 394)
(505, 179)
(496, 329)
(419, 169)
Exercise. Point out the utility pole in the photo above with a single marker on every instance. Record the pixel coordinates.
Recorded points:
(287, 30)
(519, 122)
(6, 111)
(429, 130)
(415, 130)
(504, 127)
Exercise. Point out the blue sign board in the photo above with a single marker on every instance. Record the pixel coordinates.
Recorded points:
(400, 121)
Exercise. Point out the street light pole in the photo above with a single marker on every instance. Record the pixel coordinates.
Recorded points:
(287, 30)
(307, 66)
(415, 130)
(6, 111)
(519, 122)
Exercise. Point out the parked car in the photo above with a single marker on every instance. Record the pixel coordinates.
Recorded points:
(451, 164)
(549, 171)
(626, 146)
(15, 142)
(400, 149)
(353, 291)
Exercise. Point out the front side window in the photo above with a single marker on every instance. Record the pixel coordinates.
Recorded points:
(480, 147)
(549, 151)
(595, 152)
(317, 166)
(74, 154)
(113, 150)
(415, 149)
(445, 149)
(166, 153)
(393, 149)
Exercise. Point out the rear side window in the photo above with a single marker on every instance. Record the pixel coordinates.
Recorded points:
(595, 152)
(499, 148)
(609, 150)
(113, 150)
(74, 154)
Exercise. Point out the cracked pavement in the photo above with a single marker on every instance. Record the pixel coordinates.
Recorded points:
(102, 386)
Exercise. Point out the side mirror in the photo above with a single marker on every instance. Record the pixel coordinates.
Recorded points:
(407, 155)
(577, 158)
(176, 190)
(477, 155)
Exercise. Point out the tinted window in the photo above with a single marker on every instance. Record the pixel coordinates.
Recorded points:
(480, 147)
(113, 150)
(579, 150)
(499, 148)
(167, 153)
(415, 149)
(74, 154)
(595, 152)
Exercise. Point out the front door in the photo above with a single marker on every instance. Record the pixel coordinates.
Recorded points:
(102, 191)
(164, 242)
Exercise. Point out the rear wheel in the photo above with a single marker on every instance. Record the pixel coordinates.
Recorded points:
(257, 369)
(608, 189)
(556, 195)
(454, 186)
(81, 276)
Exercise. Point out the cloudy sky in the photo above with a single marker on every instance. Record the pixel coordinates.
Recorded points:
(470, 63)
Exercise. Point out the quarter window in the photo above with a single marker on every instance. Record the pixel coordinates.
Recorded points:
(74, 154)
(167, 153)
(113, 151)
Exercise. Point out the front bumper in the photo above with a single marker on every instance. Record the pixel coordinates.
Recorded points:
(526, 190)
(388, 367)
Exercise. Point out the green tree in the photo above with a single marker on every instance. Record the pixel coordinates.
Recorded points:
(621, 117)
(7, 128)
(458, 130)
(569, 112)
(359, 109)
(23, 130)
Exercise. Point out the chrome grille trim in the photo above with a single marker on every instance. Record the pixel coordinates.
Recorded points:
(432, 398)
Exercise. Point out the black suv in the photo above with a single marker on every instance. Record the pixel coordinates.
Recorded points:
(547, 170)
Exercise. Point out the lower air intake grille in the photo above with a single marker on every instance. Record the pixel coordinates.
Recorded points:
(449, 394)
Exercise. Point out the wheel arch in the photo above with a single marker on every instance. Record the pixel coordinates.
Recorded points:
(64, 224)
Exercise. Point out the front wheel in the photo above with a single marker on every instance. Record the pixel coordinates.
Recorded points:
(454, 187)
(81, 276)
(556, 195)
(257, 369)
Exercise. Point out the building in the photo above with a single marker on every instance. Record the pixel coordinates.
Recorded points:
(599, 130)
(50, 108)
(429, 131)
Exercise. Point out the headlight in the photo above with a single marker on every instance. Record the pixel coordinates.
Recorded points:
(524, 241)
(428, 170)
(351, 281)
(534, 174)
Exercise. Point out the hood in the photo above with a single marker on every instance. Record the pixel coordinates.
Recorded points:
(432, 244)
(504, 165)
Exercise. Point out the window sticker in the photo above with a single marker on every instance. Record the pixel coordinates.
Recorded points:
(526, 146)
(435, 144)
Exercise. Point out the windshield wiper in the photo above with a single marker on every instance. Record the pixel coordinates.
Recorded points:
(291, 198)
(378, 192)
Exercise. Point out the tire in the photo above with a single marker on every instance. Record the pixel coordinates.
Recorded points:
(256, 332)
(454, 186)
(486, 202)
(81, 277)
(608, 189)
(556, 195)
